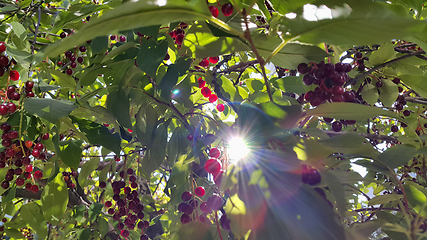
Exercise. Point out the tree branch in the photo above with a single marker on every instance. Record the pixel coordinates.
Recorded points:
(363, 75)
(366, 135)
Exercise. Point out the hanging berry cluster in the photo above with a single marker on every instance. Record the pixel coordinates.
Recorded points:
(207, 93)
(127, 209)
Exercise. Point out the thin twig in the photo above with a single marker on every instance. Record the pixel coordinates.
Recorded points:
(363, 75)
(36, 30)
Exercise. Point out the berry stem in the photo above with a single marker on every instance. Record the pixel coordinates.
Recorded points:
(217, 224)
(20, 128)
(327, 51)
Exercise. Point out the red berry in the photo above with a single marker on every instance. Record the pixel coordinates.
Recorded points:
(113, 37)
(227, 9)
(122, 38)
(73, 65)
(20, 181)
(179, 38)
(185, 218)
(213, 166)
(215, 153)
(15, 96)
(214, 10)
(3, 110)
(108, 204)
(204, 62)
(102, 184)
(206, 92)
(2, 47)
(5, 184)
(200, 191)
(202, 82)
(35, 189)
(82, 49)
(36, 153)
(45, 136)
(70, 71)
(28, 186)
(11, 107)
(213, 98)
(63, 35)
(220, 107)
(30, 94)
(29, 168)
(39, 146)
(38, 175)
(29, 85)
(186, 196)
(190, 137)
(213, 60)
(14, 75)
(4, 61)
(80, 60)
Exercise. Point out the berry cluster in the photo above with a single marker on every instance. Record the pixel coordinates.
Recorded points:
(226, 9)
(67, 176)
(330, 79)
(189, 210)
(360, 61)
(121, 38)
(71, 59)
(127, 205)
(213, 165)
(5, 64)
(205, 61)
(207, 93)
(178, 34)
(19, 164)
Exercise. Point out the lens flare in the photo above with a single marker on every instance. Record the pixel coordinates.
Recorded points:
(237, 149)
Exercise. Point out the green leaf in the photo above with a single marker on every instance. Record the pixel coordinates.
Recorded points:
(287, 6)
(383, 54)
(10, 195)
(336, 188)
(416, 198)
(84, 234)
(417, 83)
(383, 199)
(290, 84)
(94, 210)
(54, 200)
(176, 145)
(99, 44)
(70, 153)
(123, 17)
(118, 50)
(19, 30)
(350, 143)
(49, 109)
(291, 54)
(397, 155)
(354, 23)
(98, 134)
(87, 169)
(349, 111)
(32, 213)
(63, 80)
(180, 172)
(102, 226)
(171, 77)
(201, 42)
(156, 151)
(89, 75)
(118, 104)
(388, 93)
(370, 94)
(150, 55)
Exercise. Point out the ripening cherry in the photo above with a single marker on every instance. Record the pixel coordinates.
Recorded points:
(14, 75)
(35, 189)
(213, 98)
(227, 9)
(38, 175)
(2, 47)
(200, 191)
(39, 146)
(28, 143)
(201, 82)
(214, 11)
(20, 181)
(45, 136)
(213, 166)
(204, 63)
(220, 107)
(122, 38)
(4, 61)
(35, 153)
(206, 92)
(186, 196)
(214, 153)
(213, 60)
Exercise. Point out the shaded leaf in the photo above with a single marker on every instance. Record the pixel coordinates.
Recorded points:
(118, 104)
(49, 109)
(150, 55)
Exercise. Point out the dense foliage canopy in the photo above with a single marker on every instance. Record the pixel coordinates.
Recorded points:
(213, 119)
